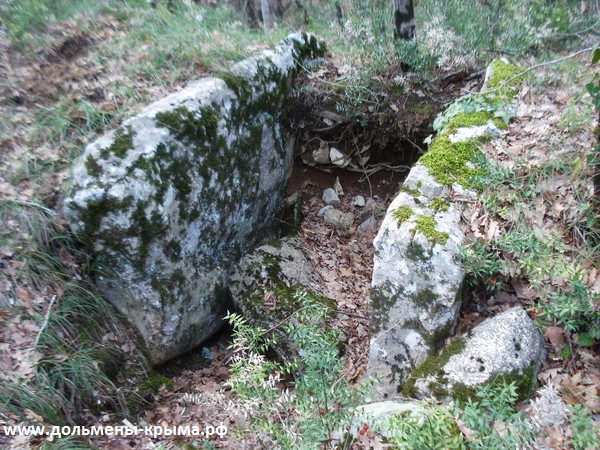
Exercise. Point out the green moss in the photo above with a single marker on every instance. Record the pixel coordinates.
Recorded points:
(122, 143)
(173, 251)
(504, 82)
(92, 166)
(380, 303)
(410, 191)
(165, 287)
(433, 366)
(439, 204)
(524, 381)
(152, 383)
(145, 228)
(426, 226)
(437, 340)
(402, 214)
(424, 298)
(237, 84)
(96, 210)
(475, 118)
(447, 161)
(190, 127)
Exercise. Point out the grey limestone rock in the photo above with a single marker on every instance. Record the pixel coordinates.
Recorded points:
(508, 344)
(330, 197)
(339, 219)
(417, 279)
(323, 210)
(175, 196)
(414, 292)
(264, 284)
(338, 158)
(359, 201)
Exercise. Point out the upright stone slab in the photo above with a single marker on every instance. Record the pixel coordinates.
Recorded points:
(175, 196)
(417, 279)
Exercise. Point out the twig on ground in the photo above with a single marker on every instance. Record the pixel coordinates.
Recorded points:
(45, 323)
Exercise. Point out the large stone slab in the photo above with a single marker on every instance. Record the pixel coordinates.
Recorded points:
(175, 196)
(415, 286)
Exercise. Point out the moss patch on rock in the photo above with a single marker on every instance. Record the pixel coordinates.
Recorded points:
(426, 226)
(439, 204)
(402, 214)
(122, 143)
(504, 81)
(476, 118)
(433, 367)
(447, 161)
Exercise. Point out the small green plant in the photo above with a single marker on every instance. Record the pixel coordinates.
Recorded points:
(469, 104)
(585, 435)
(321, 401)
(494, 419)
(433, 428)
(572, 308)
(481, 260)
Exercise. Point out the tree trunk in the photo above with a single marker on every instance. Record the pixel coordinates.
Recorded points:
(404, 19)
(267, 15)
(250, 16)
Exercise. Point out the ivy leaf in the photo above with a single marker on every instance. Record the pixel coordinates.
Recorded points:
(595, 56)
(565, 353)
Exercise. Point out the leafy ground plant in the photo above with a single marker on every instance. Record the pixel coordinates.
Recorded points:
(318, 401)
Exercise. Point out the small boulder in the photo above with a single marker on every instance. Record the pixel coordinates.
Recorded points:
(330, 197)
(263, 287)
(339, 219)
(367, 224)
(359, 201)
(323, 210)
(507, 345)
(338, 158)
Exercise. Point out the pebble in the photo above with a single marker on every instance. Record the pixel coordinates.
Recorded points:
(338, 158)
(359, 201)
(321, 212)
(366, 225)
(330, 197)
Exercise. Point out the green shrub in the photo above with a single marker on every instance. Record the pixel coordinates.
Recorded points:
(321, 401)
